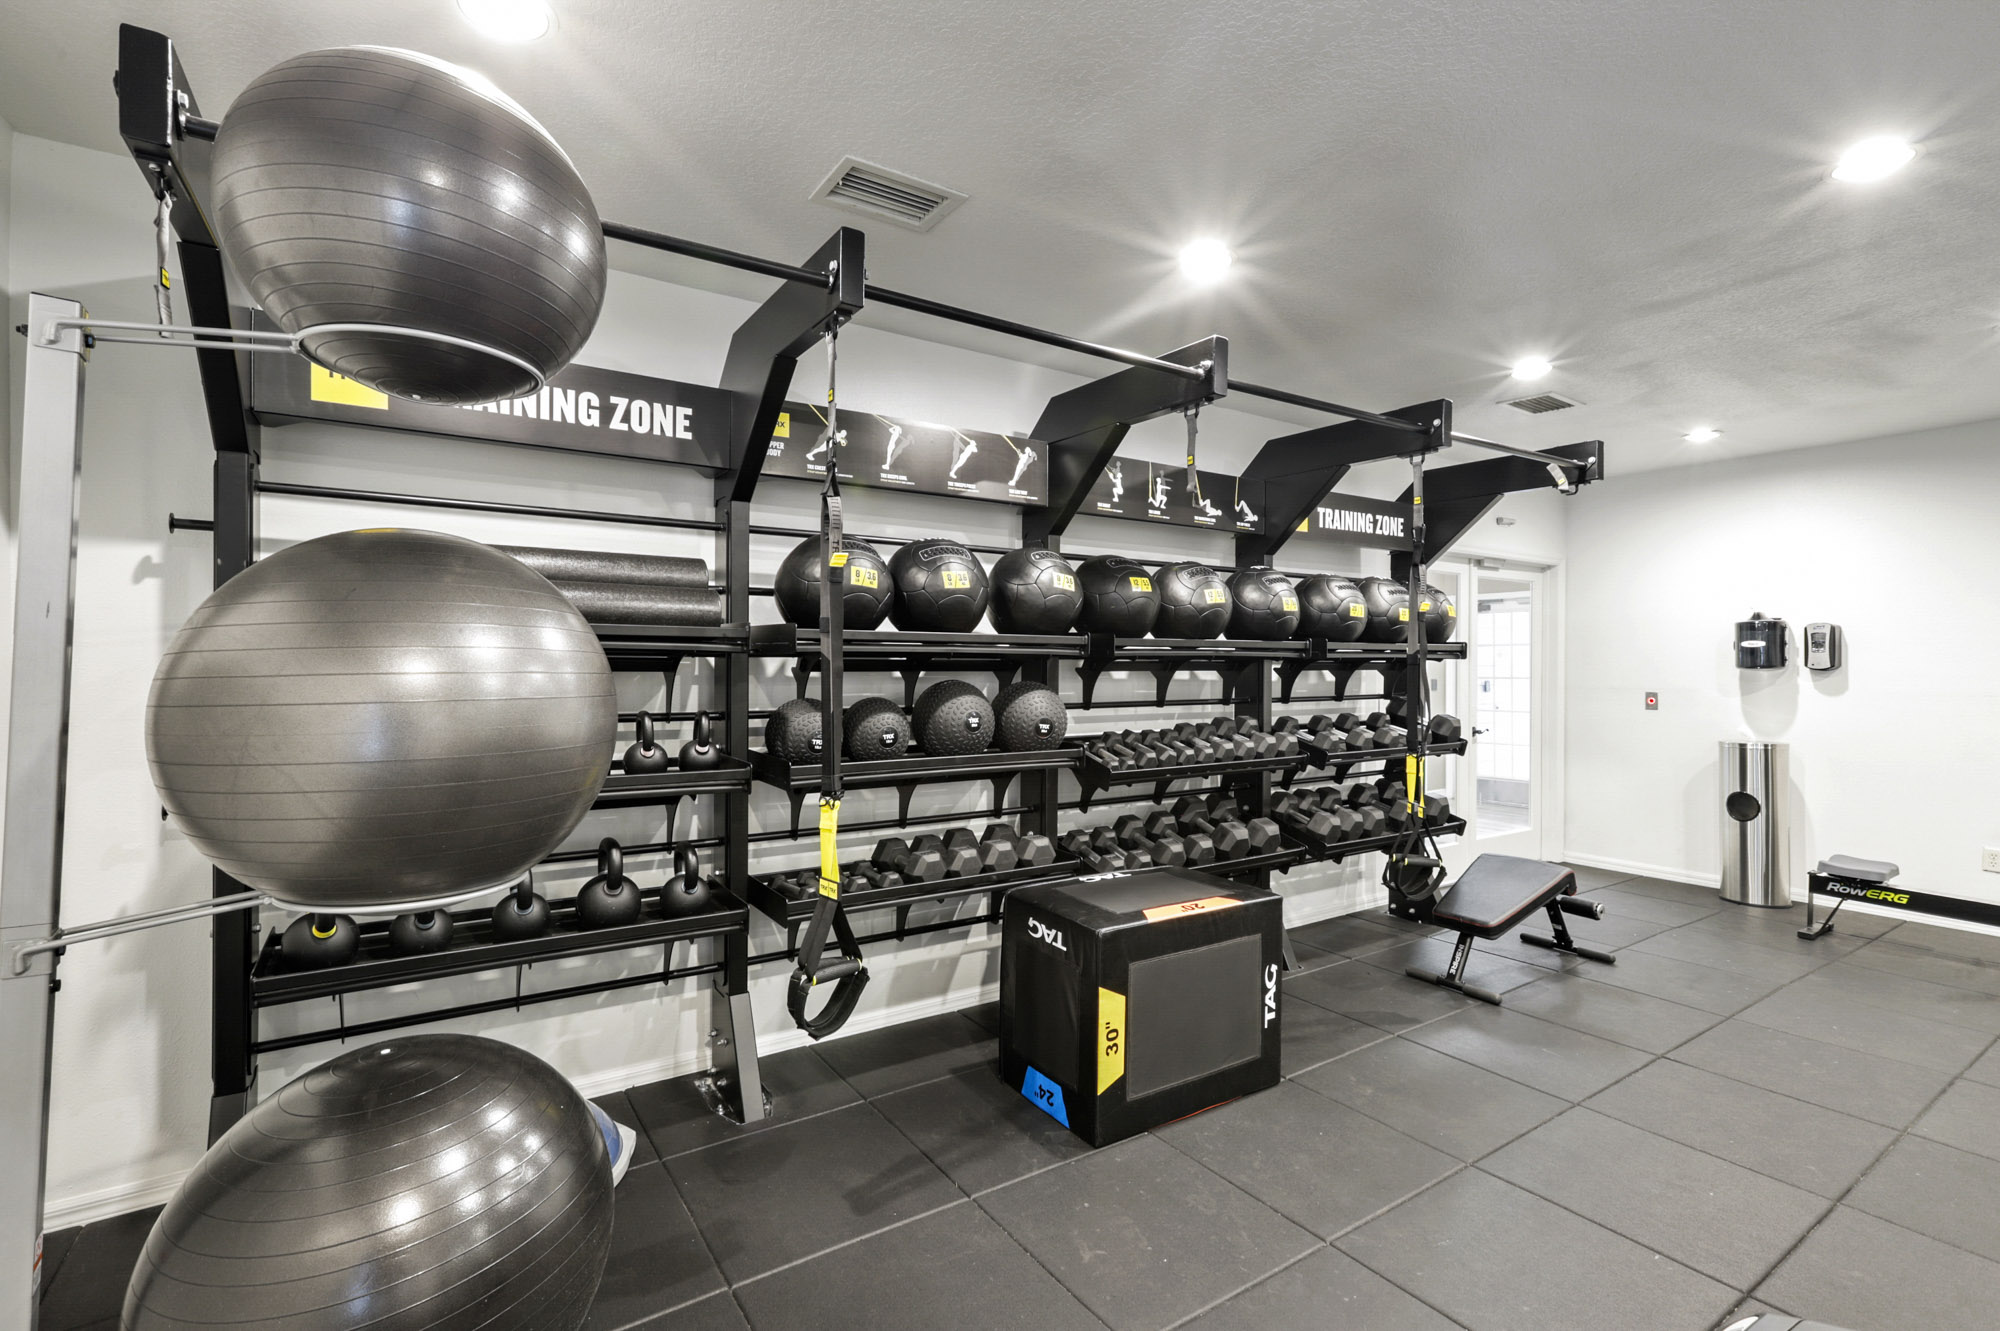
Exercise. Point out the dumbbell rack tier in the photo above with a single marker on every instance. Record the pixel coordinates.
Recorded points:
(1000, 767)
(1312, 848)
(1343, 659)
(910, 654)
(473, 949)
(794, 912)
(1338, 764)
(1095, 778)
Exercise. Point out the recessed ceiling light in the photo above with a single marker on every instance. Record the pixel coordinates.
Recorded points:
(508, 20)
(1873, 159)
(1702, 434)
(1531, 367)
(1205, 261)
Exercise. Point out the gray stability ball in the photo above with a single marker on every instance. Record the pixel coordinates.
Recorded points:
(361, 189)
(422, 1182)
(375, 719)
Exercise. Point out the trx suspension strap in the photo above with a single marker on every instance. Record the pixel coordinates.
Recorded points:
(1414, 867)
(848, 976)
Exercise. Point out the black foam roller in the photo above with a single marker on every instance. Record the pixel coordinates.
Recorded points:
(604, 566)
(639, 603)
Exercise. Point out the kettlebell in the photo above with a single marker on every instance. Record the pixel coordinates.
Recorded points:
(646, 756)
(312, 941)
(423, 931)
(687, 892)
(521, 914)
(701, 751)
(610, 899)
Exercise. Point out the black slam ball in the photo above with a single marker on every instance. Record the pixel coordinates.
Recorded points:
(795, 731)
(953, 717)
(1388, 610)
(864, 574)
(1194, 602)
(1118, 597)
(1265, 605)
(876, 728)
(1035, 591)
(1029, 718)
(1331, 607)
(940, 588)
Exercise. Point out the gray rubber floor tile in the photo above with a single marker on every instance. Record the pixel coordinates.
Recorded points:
(1590, 880)
(1846, 982)
(1926, 961)
(1328, 1289)
(658, 1259)
(1850, 921)
(773, 1197)
(1965, 1116)
(900, 1056)
(1350, 935)
(1721, 1219)
(1462, 1110)
(1556, 1059)
(1311, 1159)
(1986, 1068)
(1778, 931)
(717, 1312)
(1388, 1000)
(90, 1286)
(984, 1015)
(1865, 1274)
(1310, 958)
(1951, 1195)
(1723, 951)
(1880, 1090)
(1618, 929)
(1834, 1013)
(1656, 910)
(1722, 992)
(1309, 1035)
(1623, 1015)
(1143, 1235)
(620, 1108)
(1489, 970)
(979, 1131)
(1747, 1308)
(1967, 943)
(677, 1119)
(954, 1268)
(1692, 893)
(1807, 1146)
(1511, 948)
(1498, 1258)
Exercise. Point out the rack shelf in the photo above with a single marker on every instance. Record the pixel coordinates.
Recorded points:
(1096, 778)
(1330, 851)
(1337, 764)
(670, 787)
(662, 647)
(1343, 659)
(793, 913)
(907, 773)
(911, 654)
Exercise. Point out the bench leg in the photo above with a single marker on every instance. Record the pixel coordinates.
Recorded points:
(1560, 941)
(1823, 927)
(1454, 978)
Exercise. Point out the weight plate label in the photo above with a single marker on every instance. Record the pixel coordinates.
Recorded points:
(1214, 595)
(1065, 582)
(858, 576)
(1140, 584)
(1289, 604)
(956, 579)
(1110, 1039)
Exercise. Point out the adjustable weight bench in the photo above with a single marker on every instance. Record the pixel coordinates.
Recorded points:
(1491, 898)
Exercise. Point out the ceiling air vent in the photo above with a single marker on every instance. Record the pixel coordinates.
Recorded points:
(889, 196)
(1542, 402)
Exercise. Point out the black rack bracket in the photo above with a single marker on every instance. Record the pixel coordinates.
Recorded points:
(1294, 472)
(1456, 497)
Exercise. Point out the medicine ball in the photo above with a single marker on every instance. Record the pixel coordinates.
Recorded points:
(1264, 604)
(381, 719)
(875, 728)
(369, 196)
(953, 717)
(1035, 591)
(419, 1180)
(795, 731)
(1029, 718)
(1118, 597)
(1440, 616)
(940, 588)
(1388, 610)
(1331, 607)
(869, 589)
(1194, 602)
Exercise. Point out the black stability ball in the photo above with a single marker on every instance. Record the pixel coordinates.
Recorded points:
(1028, 718)
(1194, 602)
(1331, 607)
(940, 588)
(875, 728)
(1118, 597)
(1035, 591)
(1388, 610)
(794, 731)
(953, 717)
(866, 578)
(1265, 605)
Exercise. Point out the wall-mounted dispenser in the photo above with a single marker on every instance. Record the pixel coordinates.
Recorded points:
(1826, 647)
(1760, 643)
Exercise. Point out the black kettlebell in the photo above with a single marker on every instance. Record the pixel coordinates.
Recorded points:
(423, 931)
(701, 751)
(610, 899)
(312, 941)
(687, 892)
(645, 756)
(522, 914)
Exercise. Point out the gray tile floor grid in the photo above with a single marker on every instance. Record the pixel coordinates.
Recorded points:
(1726, 1121)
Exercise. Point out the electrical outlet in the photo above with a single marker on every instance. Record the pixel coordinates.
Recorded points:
(1989, 859)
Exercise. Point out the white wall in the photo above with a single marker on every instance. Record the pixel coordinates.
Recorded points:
(1895, 757)
(131, 1085)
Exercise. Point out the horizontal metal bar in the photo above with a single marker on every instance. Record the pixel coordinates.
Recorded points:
(198, 127)
(1548, 459)
(131, 924)
(884, 824)
(802, 532)
(652, 848)
(177, 523)
(694, 249)
(1027, 333)
(1318, 404)
(484, 506)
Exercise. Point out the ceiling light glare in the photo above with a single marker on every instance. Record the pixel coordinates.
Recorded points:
(1531, 367)
(1873, 159)
(1205, 261)
(1702, 434)
(508, 20)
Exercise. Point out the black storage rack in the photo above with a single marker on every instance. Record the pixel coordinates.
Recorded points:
(999, 766)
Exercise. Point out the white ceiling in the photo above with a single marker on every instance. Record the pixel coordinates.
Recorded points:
(1419, 192)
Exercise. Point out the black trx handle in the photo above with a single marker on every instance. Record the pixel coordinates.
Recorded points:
(848, 975)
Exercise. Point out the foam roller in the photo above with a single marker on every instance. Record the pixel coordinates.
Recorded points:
(641, 603)
(603, 566)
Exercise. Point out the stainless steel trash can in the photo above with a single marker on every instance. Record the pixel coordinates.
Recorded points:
(1756, 823)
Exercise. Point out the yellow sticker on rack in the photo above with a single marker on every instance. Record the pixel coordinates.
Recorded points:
(784, 430)
(342, 391)
(1110, 1039)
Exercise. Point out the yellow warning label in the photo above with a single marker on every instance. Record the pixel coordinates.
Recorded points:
(338, 388)
(953, 578)
(784, 430)
(1110, 1039)
(1214, 595)
(858, 576)
(1141, 584)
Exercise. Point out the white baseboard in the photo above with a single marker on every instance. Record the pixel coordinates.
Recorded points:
(84, 1208)
(1672, 873)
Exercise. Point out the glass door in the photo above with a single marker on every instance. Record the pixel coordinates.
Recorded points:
(1506, 655)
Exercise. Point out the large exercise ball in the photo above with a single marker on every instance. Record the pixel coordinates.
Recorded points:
(381, 717)
(361, 189)
(425, 1181)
